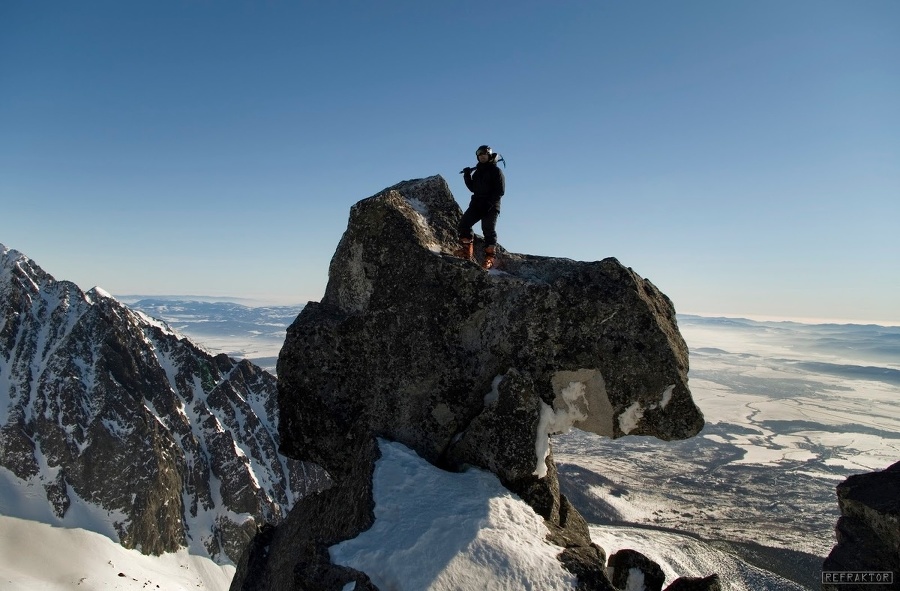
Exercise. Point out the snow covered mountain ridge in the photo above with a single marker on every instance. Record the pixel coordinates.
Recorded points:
(112, 422)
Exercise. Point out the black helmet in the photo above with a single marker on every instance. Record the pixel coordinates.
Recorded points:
(484, 150)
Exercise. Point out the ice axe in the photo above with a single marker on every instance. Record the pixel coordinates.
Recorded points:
(499, 159)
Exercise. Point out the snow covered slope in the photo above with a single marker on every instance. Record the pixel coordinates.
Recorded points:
(39, 556)
(442, 531)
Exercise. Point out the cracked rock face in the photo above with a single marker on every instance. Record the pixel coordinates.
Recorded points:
(468, 367)
(412, 341)
(104, 406)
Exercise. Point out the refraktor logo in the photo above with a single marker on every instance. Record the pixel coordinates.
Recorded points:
(858, 577)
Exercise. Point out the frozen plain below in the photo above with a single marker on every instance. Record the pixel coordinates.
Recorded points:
(791, 410)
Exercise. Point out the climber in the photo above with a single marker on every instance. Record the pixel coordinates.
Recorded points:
(487, 183)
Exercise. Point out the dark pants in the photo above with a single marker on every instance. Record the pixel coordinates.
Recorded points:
(487, 212)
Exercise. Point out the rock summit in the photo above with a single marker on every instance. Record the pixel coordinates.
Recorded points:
(467, 368)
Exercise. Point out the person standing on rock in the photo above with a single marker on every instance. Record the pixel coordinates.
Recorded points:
(487, 183)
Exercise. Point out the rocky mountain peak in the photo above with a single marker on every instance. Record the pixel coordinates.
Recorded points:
(124, 427)
(465, 367)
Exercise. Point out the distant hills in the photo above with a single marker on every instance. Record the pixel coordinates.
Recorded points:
(255, 333)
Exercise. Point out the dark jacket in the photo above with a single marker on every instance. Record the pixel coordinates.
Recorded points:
(487, 182)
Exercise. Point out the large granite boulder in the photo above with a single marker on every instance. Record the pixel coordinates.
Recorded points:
(868, 530)
(467, 368)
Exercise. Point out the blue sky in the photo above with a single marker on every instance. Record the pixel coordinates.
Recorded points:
(743, 156)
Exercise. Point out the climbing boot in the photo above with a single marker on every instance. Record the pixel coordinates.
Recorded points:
(466, 249)
(488, 263)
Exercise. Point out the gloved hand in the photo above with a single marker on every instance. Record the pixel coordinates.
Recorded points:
(466, 170)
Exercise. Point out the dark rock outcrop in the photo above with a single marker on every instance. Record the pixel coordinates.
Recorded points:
(710, 583)
(297, 550)
(109, 407)
(868, 530)
(466, 368)
(629, 569)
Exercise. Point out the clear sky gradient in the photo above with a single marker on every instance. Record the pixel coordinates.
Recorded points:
(744, 156)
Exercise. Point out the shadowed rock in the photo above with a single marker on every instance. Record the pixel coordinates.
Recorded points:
(629, 569)
(868, 530)
(710, 583)
(474, 368)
